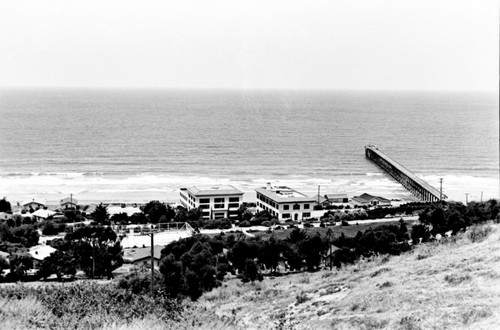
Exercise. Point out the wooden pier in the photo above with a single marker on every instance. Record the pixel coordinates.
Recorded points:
(409, 180)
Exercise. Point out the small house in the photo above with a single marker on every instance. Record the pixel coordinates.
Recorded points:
(33, 205)
(69, 203)
(337, 198)
(42, 214)
(142, 256)
(369, 200)
(40, 252)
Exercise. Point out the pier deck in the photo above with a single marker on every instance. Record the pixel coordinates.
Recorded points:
(409, 180)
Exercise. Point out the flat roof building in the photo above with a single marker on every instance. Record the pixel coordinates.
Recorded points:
(284, 203)
(215, 202)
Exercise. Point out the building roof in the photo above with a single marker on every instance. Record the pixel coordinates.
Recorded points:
(136, 254)
(283, 194)
(41, 213)
(35, 201)
(4, 255)
(336, 196)
(200, 191)
(320, 198)
(367, 198)
(40, 252)
(69, 200)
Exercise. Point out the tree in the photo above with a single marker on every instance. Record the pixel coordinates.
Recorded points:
(119, 218)
(172, 275)
(312, 250)
(101, 215)
(59, 263)
(19, 264)
(296, 236)
(27, 235)
(5, 205)
(96, 250)
(251, 271)
(419, 231)
(155, 210)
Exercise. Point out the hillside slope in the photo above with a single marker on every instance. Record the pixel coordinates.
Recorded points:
(440, 285)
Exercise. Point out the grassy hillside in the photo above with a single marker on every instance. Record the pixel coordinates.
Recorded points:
(453, 285)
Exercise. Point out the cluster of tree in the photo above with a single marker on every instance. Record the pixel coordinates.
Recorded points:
(93, 249)
(344, 215)
(193, 265)
(25, 235)
(455, 217)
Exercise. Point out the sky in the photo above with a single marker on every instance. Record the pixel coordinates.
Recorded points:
(355, 44)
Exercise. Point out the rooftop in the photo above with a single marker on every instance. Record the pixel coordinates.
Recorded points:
(213, 190)
(69, 200)
(284, 194)
(135, 254)
(40, 252)
(35, 200)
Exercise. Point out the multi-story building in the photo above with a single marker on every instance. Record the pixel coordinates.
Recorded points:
(215, 202)
(284, 203)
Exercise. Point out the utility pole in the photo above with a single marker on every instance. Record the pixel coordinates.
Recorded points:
(318, 194)
(441, 189)
(481, 196)
(152, 233)
(152, 262)
(467, 199)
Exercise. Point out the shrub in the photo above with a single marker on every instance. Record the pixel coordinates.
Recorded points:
(301, 297)
(478, 233)
(455, 279)
(245, 224)
(81, 305)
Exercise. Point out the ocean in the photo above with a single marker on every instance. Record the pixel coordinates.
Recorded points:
(131, 145)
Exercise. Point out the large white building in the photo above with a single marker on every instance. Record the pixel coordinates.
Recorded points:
(284, 203)
(215, 202)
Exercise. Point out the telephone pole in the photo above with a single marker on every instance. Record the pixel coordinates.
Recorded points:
(441, 189)
(152, 233)
(318, 194)
(467, 199)
(152, 262)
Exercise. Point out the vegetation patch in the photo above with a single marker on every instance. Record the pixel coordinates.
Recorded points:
(379, 271)
(479, 233)
(455, 279)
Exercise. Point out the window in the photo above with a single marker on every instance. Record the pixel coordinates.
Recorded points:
(285, 215)
(204, 207)
(296, 207)
(306, 215)
(306, 206)
(286, 207)
(219, 215)
(219, 200)
(204, 200)
(234, 199)
(218, 206)
(234, 205)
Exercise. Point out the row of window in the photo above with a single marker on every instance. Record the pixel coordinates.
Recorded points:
(287, 206)
(288, 216)
(219, 200)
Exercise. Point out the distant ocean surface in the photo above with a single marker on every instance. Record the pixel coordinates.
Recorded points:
(139, 145)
